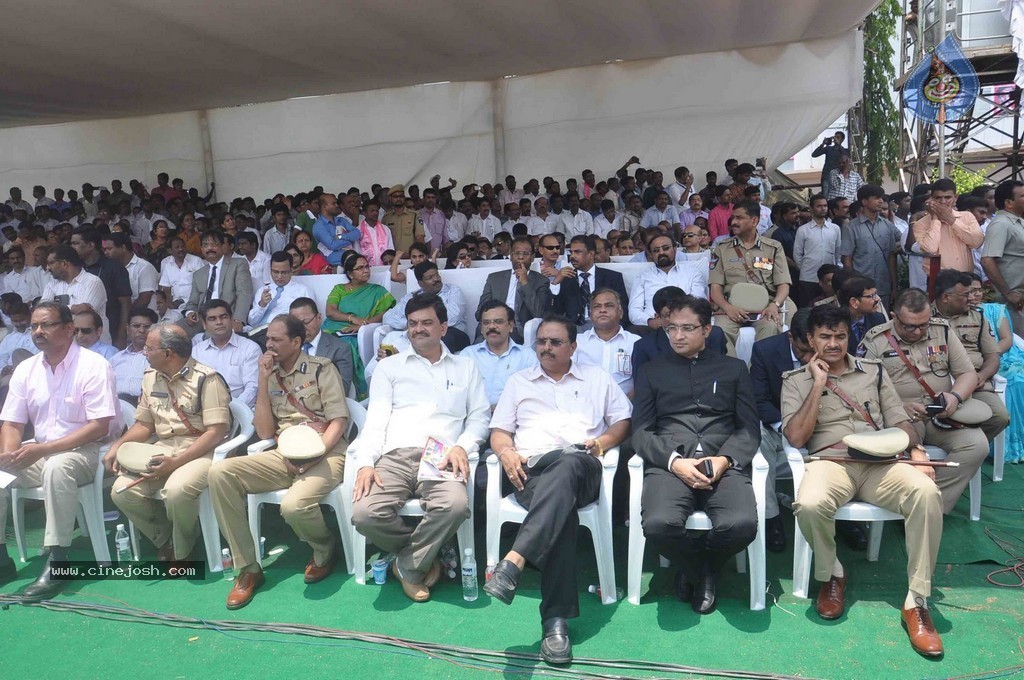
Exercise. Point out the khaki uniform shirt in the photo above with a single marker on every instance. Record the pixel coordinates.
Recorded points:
(766, 261)
(313, 382)
(863, 380)
(406, 228)
(199, 392)
(939, 356)
(974, 332)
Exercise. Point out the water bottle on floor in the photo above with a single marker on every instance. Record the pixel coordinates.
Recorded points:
(470, 589)
(597, 590)
(449, 561)
(124, 545)
(228, 564)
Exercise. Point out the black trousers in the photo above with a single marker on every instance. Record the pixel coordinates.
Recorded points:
(547, 537)
(667, 503)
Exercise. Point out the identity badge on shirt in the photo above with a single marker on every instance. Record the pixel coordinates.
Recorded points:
(625, 363)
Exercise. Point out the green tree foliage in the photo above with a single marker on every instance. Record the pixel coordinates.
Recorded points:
(881, 143)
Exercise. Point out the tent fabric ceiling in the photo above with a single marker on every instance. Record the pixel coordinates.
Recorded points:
(68, 60)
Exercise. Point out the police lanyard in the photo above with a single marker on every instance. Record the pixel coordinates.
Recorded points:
(910, 365)
(751, 274)
(845, 398)
(192, 430)
(299, 406)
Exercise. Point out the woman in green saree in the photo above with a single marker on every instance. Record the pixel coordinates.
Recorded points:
(353, 305)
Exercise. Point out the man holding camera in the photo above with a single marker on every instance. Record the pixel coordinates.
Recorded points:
(831, 148)
(934, 376)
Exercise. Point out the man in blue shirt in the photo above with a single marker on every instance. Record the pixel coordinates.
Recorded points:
(498, 356)
(333, 231)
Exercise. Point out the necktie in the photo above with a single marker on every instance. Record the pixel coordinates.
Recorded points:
(213, 280)
(307, 347)
(585, 296)
(270, 306)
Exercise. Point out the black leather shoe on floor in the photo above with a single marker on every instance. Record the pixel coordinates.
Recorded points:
(853, 534)
(682, 586)
(503, 582)
(704, 596)
(775, 541)
(556, 647)
(44, 587)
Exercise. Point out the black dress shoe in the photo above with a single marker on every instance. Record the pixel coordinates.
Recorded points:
(704, 597)
(503, 582)
(8, 571)
(556, 647)
(853, 534)
(775, 541)
(682, 586)
(43, 588)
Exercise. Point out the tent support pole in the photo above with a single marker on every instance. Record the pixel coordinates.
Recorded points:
(498, 115)
(207, 142)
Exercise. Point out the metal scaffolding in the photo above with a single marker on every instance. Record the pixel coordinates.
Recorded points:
(990, 136)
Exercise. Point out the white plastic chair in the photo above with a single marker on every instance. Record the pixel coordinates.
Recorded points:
(999, 443)
(698, 521)
(745, 343)
(364, 341)
(241, 430)
(973, 487)
(412, 508)
(597, 517)
(530, 333)
(333, 500)
(90, 501)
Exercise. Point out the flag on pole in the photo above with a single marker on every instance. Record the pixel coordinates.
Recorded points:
(943, 86)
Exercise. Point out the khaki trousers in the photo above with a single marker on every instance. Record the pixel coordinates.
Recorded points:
(898, 488)
(967, 446)
(375, 515)
(167, 509)
(763, 328)
(232, 479)
(60, 475)
(1000, 416)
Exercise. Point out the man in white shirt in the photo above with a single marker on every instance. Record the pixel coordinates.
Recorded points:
(607, 221)
(664, 270)
(458, 222)
(248, 245)
(281, 234)
(423, 393)
(498, 356)
(176, 272)
(18, 339)
(142, 275)
(88, 329)
(429, 278)
(75, 287)
(543, 222)
(572, 413)
(276, 297)
(484, 223)
(816, 244)
(576, 222)
(607, 344)
(164, 310)
(680, 191)
(234, 357)
(510, 194)
(661, 211)
(143, 223)
(28, 282)
(130, 363)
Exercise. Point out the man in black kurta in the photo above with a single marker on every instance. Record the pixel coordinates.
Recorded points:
(692, 406)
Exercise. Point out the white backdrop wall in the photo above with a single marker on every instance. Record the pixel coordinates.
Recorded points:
(693, 110)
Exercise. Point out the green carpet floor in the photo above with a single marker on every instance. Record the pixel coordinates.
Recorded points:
(981, 624)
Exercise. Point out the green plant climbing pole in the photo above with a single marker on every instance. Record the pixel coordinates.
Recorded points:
(881, 140)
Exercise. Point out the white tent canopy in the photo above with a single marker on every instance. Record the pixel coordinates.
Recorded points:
(672, 100)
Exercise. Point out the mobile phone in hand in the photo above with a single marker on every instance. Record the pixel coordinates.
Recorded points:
(706, 468)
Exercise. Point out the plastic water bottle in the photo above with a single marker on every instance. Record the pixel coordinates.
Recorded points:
(597, 590)
(450, 561)
(489, 572)
(124, 545)
(228, 564)
(470, 588)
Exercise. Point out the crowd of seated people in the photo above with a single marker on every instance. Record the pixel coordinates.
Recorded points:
(181, 305)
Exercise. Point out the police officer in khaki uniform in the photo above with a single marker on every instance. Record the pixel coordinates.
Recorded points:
(951, 290)
(833, 396)
(749, 258)
(185, 404)
(293, 388)
(938, 356)
(406, 225)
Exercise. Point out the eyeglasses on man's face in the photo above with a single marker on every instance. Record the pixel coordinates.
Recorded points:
(45, 325)
(554, 342)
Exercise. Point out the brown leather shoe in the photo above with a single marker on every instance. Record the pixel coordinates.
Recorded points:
(433, 575)
(923, 638)
(244, 589)
(417, 592)
(832, 598)
(315, 574)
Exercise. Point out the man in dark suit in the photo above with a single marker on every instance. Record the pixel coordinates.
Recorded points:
(695, 427)
(657, 343)
(859, 295)
(531, 295)
(323, 344)
(572, 292)
(769, 359)
(223, 277)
